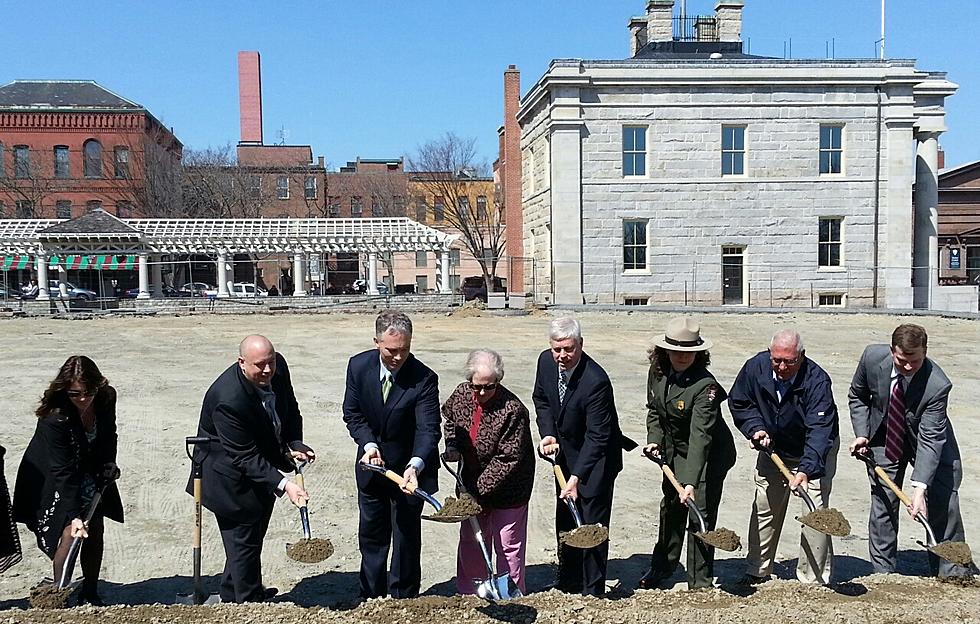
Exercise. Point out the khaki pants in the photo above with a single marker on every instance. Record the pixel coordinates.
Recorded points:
(772, 494)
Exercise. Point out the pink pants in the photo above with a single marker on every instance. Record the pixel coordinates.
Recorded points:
(505, 533)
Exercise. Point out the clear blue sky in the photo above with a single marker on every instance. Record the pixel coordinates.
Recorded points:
(375, 78)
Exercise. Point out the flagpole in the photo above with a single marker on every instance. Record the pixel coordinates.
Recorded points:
(882, 29)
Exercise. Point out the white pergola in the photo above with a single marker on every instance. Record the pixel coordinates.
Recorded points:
(100, 232)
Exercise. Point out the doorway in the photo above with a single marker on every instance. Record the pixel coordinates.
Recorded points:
(732, 275)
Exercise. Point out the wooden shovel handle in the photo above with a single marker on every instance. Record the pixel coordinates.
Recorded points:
(782, 467)
(560, 476)
(673, 479)
(397, 478)
(902, 496)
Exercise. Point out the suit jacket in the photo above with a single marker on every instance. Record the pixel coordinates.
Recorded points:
(685, 420)
(48, 492)
(586, 425)
(929, 438)
(404, 426)
(803, 426)
(242, 464)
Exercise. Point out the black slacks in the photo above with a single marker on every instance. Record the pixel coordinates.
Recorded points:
(389, 520)
(241, 580)
(583, 570)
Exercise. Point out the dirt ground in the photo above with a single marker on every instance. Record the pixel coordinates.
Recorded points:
(161, 367)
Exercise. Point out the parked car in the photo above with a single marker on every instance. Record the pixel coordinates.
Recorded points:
(168, 291)
(360, 286)
(248, 289)
(10, 293)
(198, 289)
(74, 292)
(474, 287)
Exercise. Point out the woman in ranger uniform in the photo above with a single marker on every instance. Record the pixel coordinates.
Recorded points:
(685, 431)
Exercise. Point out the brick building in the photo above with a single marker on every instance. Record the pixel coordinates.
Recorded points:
(694, 173)
(959, 224)
(71, 146)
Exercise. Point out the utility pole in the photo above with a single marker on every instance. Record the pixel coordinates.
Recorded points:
(882, 40)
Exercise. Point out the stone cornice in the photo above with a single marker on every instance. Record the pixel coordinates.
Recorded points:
(76, 120)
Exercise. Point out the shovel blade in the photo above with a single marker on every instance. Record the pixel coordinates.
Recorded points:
(198, 599)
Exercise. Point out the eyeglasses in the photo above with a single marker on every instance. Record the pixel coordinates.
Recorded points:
(787, 361)
(490, 387)
(75, 394)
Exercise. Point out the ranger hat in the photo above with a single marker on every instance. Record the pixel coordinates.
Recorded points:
(683, 334)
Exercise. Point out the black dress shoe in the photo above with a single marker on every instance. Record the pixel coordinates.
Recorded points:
(90, 596)
(269, 593)
(652, 579)
(751, 579)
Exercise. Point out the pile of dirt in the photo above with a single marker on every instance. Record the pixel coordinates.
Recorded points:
(457, 509)
(722, 538)
(956, 552)
(48, 596)
(585, 536)
(313, 550)
(829, 521)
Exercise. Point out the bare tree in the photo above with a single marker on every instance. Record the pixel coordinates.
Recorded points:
(448, 168)
(28, 184)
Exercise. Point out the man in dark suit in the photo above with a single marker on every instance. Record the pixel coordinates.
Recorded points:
(898, 401)
(783, 401)
(391, 408)
(252, 417)
(576, 415)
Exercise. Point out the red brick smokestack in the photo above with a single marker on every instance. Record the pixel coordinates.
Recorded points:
(510, 159)
(250, 97)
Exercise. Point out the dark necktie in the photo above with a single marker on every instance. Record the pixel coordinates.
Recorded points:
(385, 388)
(895, 424)
(562, 385)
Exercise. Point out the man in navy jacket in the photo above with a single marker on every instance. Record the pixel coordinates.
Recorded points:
(391, 408)
(782, 401)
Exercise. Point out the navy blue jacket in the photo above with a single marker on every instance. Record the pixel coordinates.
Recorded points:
(804, 426)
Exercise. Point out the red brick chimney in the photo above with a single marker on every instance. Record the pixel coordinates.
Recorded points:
(250, 97)
(510, 163)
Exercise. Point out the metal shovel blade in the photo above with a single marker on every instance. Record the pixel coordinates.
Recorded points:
(198, 599)
(501, 587)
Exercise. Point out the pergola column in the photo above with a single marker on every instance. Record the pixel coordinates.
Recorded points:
(223, 276)
(444, 272)
(42, 278)
(156, 274)
(299, 276)
(62, 281)
(925, 238)
(144, 277)
(372, 285)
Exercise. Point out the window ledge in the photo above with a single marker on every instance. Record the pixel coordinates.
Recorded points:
(628, 272)
(832, 269)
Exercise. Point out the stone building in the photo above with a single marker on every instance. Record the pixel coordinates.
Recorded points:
(695, 173)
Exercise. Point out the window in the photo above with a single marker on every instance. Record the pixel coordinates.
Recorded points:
(333, 206)
(25, 209)
(93, 205)
(22, 162)
(438, 210)
(3, 210)
(634, 151)
(121, 160)
(454, 283)
(124, 210)
(733, 150)
(92, 152)
(831, 150)
(61, 163)
(420, 210)
(835, 300)
(309, 188)
(488, 255)
(377, 209)
(398, 206)
(282, 187)
(829, 245)
(254, 186)
(421, 259)
(3, 164)
(481, 208)
(62, 209)
(454, 257)
(636, 301)
(634, 245)
(421, 283)
(464, 209)
(356, 206)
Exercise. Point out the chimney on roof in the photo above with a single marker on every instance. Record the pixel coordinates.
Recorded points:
(250, 97)
(638, 34)
(728, 14)
(660, 21)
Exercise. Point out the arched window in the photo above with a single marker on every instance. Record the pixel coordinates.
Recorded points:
(93, 159)
(3, 168)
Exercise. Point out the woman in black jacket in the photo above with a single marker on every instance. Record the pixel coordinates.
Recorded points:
(72, 451)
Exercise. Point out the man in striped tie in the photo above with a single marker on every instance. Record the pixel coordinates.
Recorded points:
(898, 400)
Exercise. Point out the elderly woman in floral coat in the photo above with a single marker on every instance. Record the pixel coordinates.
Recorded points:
(488, 428)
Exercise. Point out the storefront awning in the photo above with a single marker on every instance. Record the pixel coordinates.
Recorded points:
(12, 263)
(95, 263)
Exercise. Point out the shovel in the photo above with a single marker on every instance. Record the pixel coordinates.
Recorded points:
(583, 535)
(500, 587)
(453, 511)
(723, 539)
(954, 552)
(308, 549)
(197, 596)
(828, 521)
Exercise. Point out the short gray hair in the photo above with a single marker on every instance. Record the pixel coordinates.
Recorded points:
(389, 320)
(787, 338)
(564, 328)
(484, 358)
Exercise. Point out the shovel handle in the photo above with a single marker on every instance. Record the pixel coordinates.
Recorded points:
(776, 459)
(902, 496)
(673, 479)
(391, 475)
